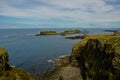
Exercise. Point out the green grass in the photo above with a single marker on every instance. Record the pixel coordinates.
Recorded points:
(48, 33)
(15, 74)
(3, 51)
(71, 31)
(112, 39)
(98, 56)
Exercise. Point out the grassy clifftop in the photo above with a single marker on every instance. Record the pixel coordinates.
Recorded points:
(98, 57)
(8, 72)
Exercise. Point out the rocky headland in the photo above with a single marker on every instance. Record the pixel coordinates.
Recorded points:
(96, 57)
(8, 72)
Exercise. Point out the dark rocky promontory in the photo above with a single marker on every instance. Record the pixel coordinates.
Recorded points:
(76, 37)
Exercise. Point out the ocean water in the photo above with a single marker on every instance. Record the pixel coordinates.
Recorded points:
(33, 52)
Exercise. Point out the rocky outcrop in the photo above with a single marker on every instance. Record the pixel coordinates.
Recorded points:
(75, 37)
(98, 57)
(4, 60)
(8, 72)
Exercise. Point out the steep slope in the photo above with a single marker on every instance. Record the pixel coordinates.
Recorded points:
(98, 57)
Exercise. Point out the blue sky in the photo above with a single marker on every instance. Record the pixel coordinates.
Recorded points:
(59, 13)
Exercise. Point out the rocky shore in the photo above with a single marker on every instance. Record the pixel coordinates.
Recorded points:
(96, 57)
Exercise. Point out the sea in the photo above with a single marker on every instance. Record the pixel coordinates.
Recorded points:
(34, 53)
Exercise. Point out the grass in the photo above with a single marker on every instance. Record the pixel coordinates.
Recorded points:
(48, 33)
(15, 74)
(99, 58)
(112, 39)
(3, 52)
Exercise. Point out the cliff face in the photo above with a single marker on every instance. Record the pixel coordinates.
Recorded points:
(4, 60)
(98, 57)
(8, 72)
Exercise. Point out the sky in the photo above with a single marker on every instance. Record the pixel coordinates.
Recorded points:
(59, 13)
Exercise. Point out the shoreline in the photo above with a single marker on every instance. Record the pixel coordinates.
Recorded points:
(62, 70)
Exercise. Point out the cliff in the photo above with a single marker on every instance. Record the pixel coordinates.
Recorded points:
(98, 57)
(8, 72)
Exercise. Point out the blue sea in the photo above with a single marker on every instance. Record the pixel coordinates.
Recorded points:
(32, 53)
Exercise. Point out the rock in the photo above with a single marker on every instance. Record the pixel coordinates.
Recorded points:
(8, 72)
(75, 37)
(98, 57)
(4, 60)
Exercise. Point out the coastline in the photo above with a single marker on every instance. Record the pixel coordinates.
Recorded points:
(62, 70)
(90, 43)
(73, 63)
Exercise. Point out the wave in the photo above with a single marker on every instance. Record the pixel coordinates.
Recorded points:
(60, 57)
(50, 61)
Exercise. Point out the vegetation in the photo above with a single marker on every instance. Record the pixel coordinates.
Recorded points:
(8, 72)
(15, 74)
(70, 32)
(48, 33)
(58, 33)
(4, 60)
(98, 57)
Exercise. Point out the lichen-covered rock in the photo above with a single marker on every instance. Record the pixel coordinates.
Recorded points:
(4, 60)
(98, 57)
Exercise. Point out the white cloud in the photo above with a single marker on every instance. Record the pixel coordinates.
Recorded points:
(76, 10)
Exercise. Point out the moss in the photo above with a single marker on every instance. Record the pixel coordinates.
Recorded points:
(98, 57)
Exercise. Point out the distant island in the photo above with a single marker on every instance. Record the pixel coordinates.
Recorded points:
(58, 33)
